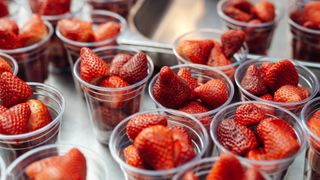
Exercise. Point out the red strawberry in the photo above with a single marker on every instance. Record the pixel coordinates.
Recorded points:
(249, 114)
(282, 124)
(14, 120)
(227, 167)
(243, 5)
(196, 51)
(76, 30)
(253, 174)
(232, 41)
(311, 12)
(190, 176)
(113, 82)
(3, 9)
(281, 73)
(253, 82)
(213, 93)
(13, 90)
(264, 10)
(40, 115)
(136, 69)
(2, 109)
(4, 66)
(237, 14)
(57, 7)
(181, 134)
(267, 109)
(314, 123)
(71, 166)
(170, 90)
(217, 57)
(186, 75)
(264, 67)
(118, 61)
(107, 31)
(92, 68)
(9, 24)
(236, 137)
(304, 92)
(267, 97)
(33, 31)
(8, 40)
(156, 147)
(132, 157)
(139, 122)
(289, 93)
(195, 107)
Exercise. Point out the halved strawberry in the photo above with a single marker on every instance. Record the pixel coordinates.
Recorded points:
(196, 51)
(76, 30)
(195, 107)
(107, 31)
(8, 40)
(13, 90)
(56, 7)
(9, 24)
(237, 14)
(33, 31)
(117, 62)
(311, 12)
(232, 41)
(40, 115)
(139, 122)
(72, 166)
(92, 68)
(132, 157)
(2, 109)
(249, 114)
(264, 10)
(14, 120)
(190, 176)
(213, 93)
(236, 137)
(4, 66)
(314, 123)
(253, 82)
(264, 67)
(4, 11)
(183, 149)
(156, 147)
(289, 93)
(170, 90)
(136, 69)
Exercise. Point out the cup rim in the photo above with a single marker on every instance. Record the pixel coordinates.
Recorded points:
(123, 164)
(279, 10)
(214, 124)
(48, 126)
(33, 46)
(213, 31)
(15, 67)
(314, 92)
(201, 67)
(304, 120)
(95, 87)
(99, 43)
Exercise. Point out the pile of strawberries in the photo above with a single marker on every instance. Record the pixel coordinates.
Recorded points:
(4, 11)
(227, 167)
(253, 134)
(71, 166)
(155, 145)
(308, 16)
(49, 7)
(12, 37)
(274, 82)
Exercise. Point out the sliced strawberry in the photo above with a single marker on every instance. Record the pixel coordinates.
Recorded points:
(289, 93)
(213, 93)
(4, 66)
(4, 11)
(281, 73)
(264, 10)
(253, 174)
(2, 109)
(40, 115)
(170, 90)
(190, 176)
(237, 14)
(253, 82)
(33, 31)
(249, 114)
(196, 51)
(236, 137)
(232, 41)
(311, 12)
(14, 120)
(9, 24)
(56, 7)
(243, 5)
(314, 123)
(76, 30)
(117, 62)
(71, 166)
(186, 75)
(139, 122)
(92, 68)
(8, 40)
(132, 157)
(136, 69)
(156, 147)
(195, 107)
(13, 90)
(107, 31)
(264, 67)
(217, 57)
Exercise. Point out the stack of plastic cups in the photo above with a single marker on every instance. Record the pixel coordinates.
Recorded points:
(121, 7)
(12, 62)
(119, 140)
(109, 106)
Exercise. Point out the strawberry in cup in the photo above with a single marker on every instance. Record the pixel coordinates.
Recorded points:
(8, 64)
(121, 7)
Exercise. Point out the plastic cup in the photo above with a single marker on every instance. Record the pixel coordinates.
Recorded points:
(109, 106)
(307, 79)
(202, 168)
(19, 144)
(258, 36)
(275, 168)
(305, 41)
(119, 140)
(96, 168)
(33, 60)
(311, 168)
(214, 34)
(121, 7)
(12, 62)
(2, 169)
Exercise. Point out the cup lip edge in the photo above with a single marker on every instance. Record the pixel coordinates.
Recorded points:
(14, 62)
(304, 120)
(123, 164)
(198, 66)
(267, 59)
(303, 142)
(301, 28)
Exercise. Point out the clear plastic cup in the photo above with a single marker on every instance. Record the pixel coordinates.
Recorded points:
(119, 140)
(275, 168)
(311, 168)
(21, 143)
(33, 60)
(305, 41)
(96, 168)
(202, 168)
(121, 7)
(109, 106)
(307, 79)
(12, 62)
(258, 36)
(214, 34)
